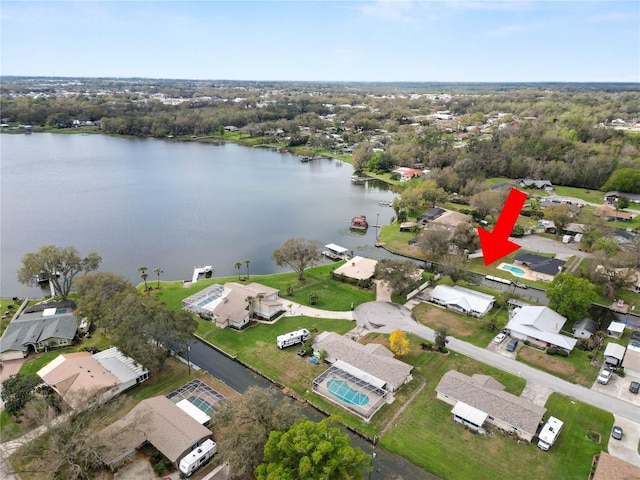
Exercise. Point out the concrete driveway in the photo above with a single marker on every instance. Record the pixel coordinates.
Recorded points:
(618, 387)
(627, 448)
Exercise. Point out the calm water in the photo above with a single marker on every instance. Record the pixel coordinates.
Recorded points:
(172, 205)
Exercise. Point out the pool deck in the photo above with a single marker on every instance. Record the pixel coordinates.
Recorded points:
(528, 274)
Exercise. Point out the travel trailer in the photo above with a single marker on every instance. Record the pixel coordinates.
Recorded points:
(549, 433)
(292, 338)
(198, 457)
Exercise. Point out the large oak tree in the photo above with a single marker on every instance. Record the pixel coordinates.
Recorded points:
(60, 265)
(299, 254)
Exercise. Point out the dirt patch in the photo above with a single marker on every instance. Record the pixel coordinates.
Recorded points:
(547, 362)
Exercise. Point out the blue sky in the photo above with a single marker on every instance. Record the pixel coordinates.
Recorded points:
(452, 40)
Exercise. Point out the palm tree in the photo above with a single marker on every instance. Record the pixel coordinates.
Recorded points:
(158, 271)
(249, 301)
(143, 275)
(260, 296)
(247, 262)
(238, 265)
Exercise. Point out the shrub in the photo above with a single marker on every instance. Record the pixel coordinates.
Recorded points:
(426, 346)
(552, 351)
(562, 353)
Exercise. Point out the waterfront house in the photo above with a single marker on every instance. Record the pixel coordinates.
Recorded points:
(407, 173)
(39, 328)
(540, 326)
(358, 268)
(543, 268)
(462, 300)
(233, 304)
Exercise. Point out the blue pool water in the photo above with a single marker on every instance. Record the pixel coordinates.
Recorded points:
(518, 272)
(344, 392)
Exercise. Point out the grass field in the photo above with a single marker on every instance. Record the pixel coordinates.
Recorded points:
(331, 294)
(453, 452)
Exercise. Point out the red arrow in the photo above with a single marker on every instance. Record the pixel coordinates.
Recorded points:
(496, 244)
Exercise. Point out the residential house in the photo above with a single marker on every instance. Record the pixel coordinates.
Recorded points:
(615, 329)
(39, 328)
(614, 354)
(584, 328)
(611, 214)
(407, 173)
(374, 359)
(623, 236)
(233, 304)
(157, 421)
(81, 377)
(608, 467)
(431, 215)
(481, 399)
(631, 362)
(452, 219)
(543, 268)
(539, 184)
(462, 300)
(539, 325)
(611, 197)
(358, 268)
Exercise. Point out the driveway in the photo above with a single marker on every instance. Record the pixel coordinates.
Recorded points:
(536, 243)
(627, 448)
(618, 387)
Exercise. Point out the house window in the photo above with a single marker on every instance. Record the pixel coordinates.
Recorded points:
(62, 341)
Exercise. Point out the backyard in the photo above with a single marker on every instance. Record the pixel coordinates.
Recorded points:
(331, 294)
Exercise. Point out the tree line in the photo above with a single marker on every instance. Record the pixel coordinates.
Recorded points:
(519, 133)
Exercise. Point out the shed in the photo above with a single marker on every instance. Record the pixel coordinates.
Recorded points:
(585, 328)
(614, 354)
(615, 329)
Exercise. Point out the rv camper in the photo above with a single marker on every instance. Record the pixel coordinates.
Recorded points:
(292, 338)
(549, 433)
(198, 457)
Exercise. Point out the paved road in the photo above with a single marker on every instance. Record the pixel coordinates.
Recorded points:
(385, 318)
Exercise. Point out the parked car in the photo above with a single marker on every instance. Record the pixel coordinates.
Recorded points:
(617, 432)
(499, 338)
(634, 387)
(604, 376)
(512, 345)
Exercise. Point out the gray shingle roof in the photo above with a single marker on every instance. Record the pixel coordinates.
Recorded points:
(481, 393)
(31, 328)
(367, 359)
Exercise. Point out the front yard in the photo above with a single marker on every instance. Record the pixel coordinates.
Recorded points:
(427, 435)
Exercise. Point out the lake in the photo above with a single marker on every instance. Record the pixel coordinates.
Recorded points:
(174, 205)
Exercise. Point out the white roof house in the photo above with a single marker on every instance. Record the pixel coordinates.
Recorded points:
(541, 324)
(358, 268)
(462, 300)
(615, 329)
(614, 353)
(631, 362)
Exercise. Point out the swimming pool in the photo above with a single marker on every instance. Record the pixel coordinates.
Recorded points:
(518, 272)
(201, 404)
(341, 389)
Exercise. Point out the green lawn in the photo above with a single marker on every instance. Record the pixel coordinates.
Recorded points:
(427, 435)
(591, 196)
(332, 294)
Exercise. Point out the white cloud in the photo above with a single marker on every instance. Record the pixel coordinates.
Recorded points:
(610, 17)
(509, 30)
(400, 11)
